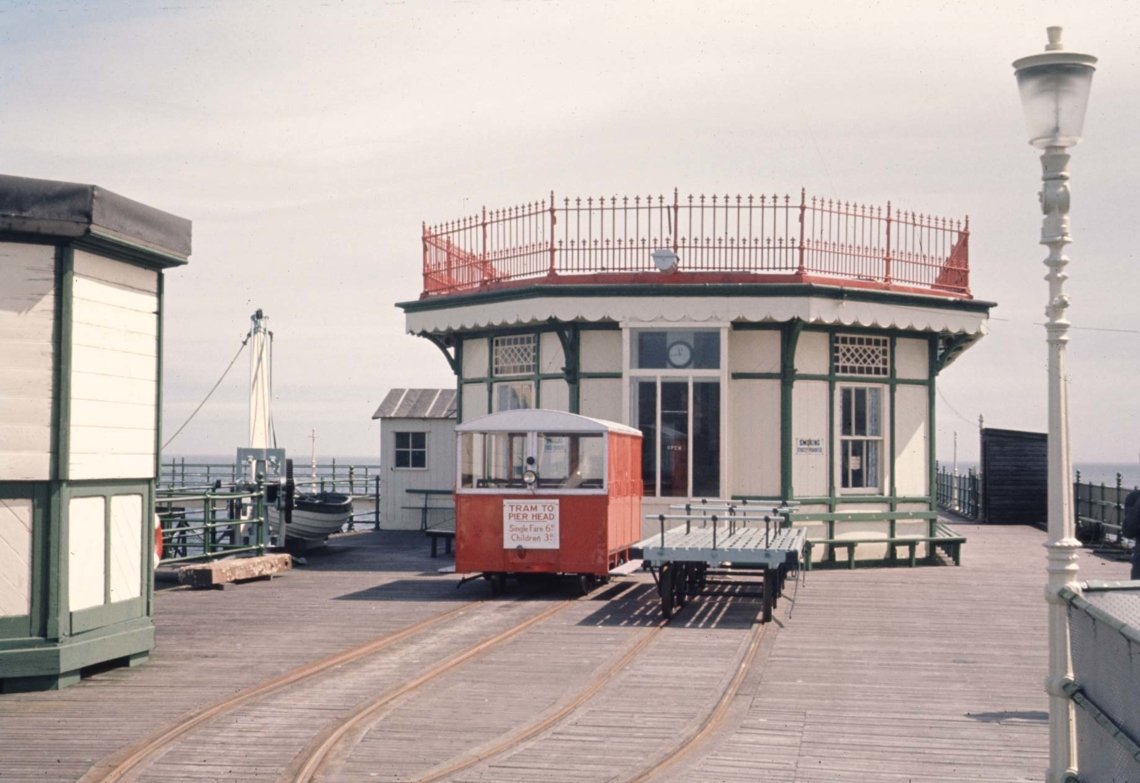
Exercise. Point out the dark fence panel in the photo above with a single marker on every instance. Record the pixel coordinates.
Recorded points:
(1015, 471)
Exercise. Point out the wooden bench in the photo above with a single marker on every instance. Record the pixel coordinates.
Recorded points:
(939, 536)
(437, 534)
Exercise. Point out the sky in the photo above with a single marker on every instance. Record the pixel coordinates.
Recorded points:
(309, 142)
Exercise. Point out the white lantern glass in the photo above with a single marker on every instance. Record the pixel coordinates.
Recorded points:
(1054, 96)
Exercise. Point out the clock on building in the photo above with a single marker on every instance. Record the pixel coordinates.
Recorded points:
(680, 354)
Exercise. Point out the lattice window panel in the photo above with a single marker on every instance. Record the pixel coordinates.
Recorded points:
(515, 355)
(861, 355)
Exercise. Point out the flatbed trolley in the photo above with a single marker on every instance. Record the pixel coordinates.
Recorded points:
(720, 536)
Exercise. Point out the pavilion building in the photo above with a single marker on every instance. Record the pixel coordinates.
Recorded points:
(768, 348)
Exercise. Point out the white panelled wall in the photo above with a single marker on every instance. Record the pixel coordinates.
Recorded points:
(27, 384)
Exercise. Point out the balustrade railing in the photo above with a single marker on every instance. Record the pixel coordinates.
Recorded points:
(766, 238)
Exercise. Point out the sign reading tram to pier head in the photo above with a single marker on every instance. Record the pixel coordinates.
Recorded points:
(532, 524)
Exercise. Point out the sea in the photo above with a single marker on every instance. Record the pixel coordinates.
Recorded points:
(1090, 472)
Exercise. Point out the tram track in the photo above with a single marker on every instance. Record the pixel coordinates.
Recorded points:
(309, 763)
(119, 765)
(714, 718)
(313, 764)
(338, 738)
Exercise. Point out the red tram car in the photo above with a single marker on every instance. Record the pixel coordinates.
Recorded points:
(543, 491)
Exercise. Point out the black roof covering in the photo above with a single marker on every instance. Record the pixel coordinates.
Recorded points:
(66, 209)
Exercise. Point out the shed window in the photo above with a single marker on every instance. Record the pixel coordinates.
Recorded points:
(411, 450)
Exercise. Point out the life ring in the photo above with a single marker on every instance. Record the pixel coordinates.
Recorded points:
(157, 540)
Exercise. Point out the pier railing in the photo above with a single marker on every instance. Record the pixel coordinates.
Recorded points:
(1099, 510)
(211, 523)
(359, 481)
(765, 238)
(959, 493)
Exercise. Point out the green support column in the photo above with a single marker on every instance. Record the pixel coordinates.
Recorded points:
(789, 337)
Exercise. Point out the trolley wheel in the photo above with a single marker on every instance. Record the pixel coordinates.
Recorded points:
(680, 580)
(665, 588)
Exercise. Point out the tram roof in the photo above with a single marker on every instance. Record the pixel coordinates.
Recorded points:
(542, 420)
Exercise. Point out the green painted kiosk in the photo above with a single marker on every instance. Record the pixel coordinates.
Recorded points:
(81, 284)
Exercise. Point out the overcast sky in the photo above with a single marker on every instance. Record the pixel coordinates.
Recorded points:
(309, 141)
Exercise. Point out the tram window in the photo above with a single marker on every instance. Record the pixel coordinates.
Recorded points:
(505, 460)
(571, 461)
(471, 458)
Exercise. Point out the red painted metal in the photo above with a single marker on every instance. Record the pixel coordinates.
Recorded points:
(596, 530)
(754, 239)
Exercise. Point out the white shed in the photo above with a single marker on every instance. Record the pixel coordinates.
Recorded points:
(417, 453)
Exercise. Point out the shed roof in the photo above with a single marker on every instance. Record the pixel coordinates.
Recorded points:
(417, 404)
(45, 207)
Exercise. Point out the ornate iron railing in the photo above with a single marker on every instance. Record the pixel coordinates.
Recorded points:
(736, 238)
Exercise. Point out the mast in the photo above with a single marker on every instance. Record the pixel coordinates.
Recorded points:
(260, 381)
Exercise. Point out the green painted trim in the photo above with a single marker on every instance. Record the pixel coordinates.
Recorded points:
(860, 516)
(752, 326)
(601, 375)
(822, 377)
(570, 338)
(892, 404)
(55, 461)
(158, 356)
(459, 382)
(734, 290)
(94, 617)
(931, 424)
(63, 362)
(55, 574)
(441, 344)
(789, 337)
(953, 346)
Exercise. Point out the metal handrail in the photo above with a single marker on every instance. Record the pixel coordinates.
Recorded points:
(762, 238)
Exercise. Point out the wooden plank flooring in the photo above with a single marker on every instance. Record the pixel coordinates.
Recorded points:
(923, 674)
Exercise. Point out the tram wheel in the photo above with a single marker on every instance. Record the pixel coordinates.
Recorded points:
(586, 583)
(498, 583)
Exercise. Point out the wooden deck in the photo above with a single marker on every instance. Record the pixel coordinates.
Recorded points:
(924, 674)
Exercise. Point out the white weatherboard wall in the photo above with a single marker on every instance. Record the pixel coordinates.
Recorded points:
(27, 344)
(396, 505)
(15, 557)
(114, 372)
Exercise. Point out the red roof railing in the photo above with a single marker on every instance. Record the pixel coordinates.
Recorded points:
(749, 239)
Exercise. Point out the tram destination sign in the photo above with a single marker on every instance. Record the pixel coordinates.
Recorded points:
(532, 524)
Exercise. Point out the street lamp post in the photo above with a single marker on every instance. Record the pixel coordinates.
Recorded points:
(1054, 89)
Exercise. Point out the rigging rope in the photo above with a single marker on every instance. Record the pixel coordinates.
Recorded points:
(208, 394)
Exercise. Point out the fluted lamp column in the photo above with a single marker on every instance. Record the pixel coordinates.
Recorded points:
(1054, 89)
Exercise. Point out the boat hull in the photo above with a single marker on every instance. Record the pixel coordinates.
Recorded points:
(315, 517)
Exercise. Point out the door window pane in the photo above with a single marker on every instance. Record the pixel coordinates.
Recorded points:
(646, 418)
(674, 438)
(706, 439)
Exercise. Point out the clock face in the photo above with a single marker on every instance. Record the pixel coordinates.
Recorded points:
(680, 354)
